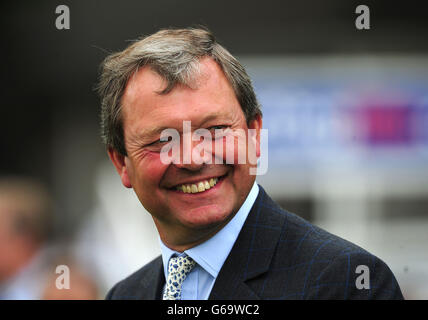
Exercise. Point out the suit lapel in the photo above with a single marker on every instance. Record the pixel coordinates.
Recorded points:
(252, 252)
(151, 285)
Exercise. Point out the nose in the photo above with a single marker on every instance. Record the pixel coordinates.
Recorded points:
(191, 158)
(194, 167)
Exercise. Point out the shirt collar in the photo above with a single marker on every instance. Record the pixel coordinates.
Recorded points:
(211, 254)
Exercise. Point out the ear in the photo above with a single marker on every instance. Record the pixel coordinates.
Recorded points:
(256, 124)
(120, 165)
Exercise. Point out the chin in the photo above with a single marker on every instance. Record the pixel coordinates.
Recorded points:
(206, 217)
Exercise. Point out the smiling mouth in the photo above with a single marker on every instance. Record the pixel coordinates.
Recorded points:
(198, 187)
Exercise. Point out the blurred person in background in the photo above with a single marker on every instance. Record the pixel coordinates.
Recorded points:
(25, 226)
(27, 255)
(82, 287)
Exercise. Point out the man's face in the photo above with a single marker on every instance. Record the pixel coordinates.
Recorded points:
(211, 105)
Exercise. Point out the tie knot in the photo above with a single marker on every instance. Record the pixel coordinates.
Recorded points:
(183, 264)
(178, 269)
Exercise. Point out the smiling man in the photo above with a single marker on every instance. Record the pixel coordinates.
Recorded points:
(221, 236)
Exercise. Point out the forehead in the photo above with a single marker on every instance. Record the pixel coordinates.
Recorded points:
(143, 106)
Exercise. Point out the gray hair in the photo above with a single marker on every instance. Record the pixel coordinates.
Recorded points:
(174, 54)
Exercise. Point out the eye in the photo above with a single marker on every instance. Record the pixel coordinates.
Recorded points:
(218, 134)
(217, 127)
(159, 141)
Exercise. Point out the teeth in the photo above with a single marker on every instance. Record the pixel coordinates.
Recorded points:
(212, 182)
(198, 187)
(194, 188)
(207, 185)
(201, 186)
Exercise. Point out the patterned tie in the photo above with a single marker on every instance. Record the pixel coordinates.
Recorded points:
(178, 269)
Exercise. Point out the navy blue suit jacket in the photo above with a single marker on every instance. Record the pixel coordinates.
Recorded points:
(278, 255)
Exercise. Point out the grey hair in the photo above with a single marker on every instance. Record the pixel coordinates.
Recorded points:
(174, 54)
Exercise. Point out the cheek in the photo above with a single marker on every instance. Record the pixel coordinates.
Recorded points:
(150, 169)
(232, 149)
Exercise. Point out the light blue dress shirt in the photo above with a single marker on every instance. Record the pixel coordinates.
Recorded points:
(211, 254)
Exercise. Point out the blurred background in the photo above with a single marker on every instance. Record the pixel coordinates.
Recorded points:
(346, 110)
